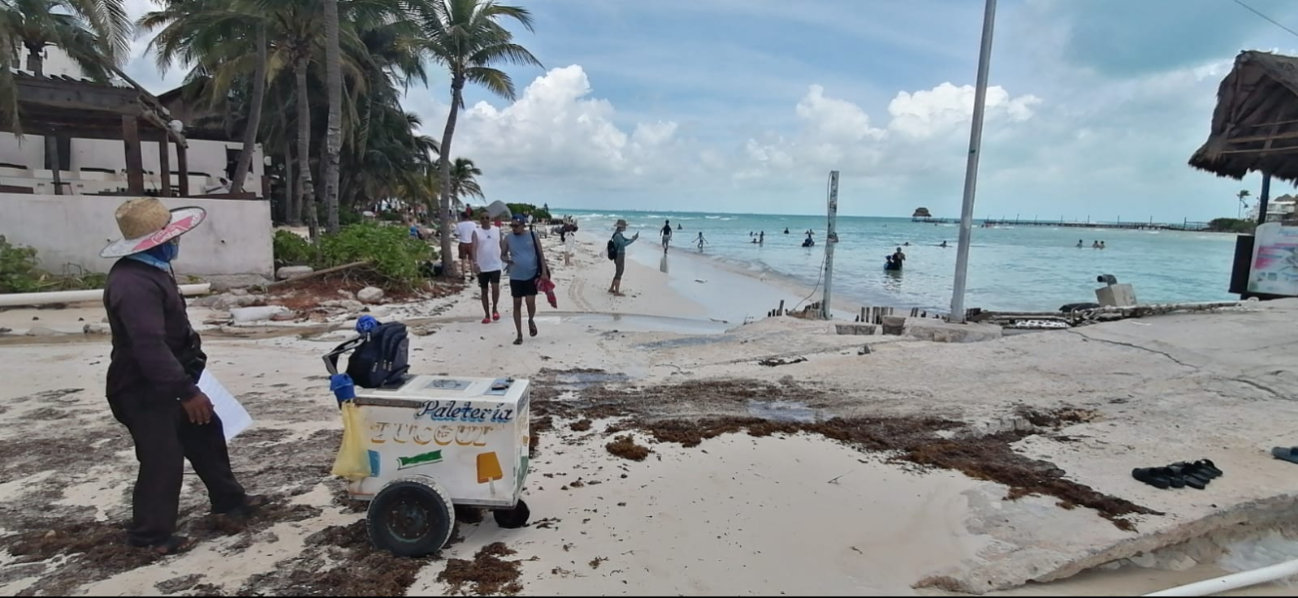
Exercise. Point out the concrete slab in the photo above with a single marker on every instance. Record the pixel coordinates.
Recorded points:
(939, 331)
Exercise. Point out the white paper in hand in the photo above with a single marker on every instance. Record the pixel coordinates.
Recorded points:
(233, 416)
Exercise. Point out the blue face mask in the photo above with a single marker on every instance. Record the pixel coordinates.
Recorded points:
(166, 252)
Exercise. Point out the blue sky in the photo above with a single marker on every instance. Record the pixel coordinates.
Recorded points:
(745, 105)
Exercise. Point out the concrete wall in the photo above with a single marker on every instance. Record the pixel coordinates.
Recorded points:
(235, 238)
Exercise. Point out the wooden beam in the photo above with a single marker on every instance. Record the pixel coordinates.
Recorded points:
(76, 95)
(1266, 138)
(182, 164)
(1264, 151)
(164, 165)
(1279, 122)
(134, 160)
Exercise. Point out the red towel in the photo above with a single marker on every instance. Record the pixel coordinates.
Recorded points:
(546, 286)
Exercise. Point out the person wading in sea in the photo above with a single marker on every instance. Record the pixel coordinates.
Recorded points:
(153, 375)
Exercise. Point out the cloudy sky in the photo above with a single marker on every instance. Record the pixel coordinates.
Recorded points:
(745, 105)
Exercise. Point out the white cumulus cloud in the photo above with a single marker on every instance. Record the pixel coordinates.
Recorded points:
(946, 108)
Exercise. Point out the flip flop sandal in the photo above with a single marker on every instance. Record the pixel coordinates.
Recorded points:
(531, 328)
(1210, 468)
(171, 546)
(1176, 481)
(518, 341)
(1151, 476)
(1191, 470)
(250, 505)
(1286, 453)
(1186, 476)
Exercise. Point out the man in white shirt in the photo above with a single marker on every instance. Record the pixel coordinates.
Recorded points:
(464, 232)
(486, 254)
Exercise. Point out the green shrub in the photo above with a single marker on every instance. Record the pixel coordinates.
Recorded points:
(396, 257)
(1231, 225)
(290, 248)
(18, 272)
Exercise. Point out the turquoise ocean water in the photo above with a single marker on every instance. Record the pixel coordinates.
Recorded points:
(1010, 268)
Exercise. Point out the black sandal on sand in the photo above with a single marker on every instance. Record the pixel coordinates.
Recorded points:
(1209, 468)
(250, 505)
(518, 341)
(1152, 476)
(1186, 473)
(531, 328)
(171, 546)
(1194, 470)
(1286, 453)
(1175, 480)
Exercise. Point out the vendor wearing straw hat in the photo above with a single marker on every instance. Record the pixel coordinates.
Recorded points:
(152, 377)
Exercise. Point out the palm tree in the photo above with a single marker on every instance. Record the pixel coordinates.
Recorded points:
(215, 39)
(467, 38)
(333, 134)
(1243, 193)
(464, 181)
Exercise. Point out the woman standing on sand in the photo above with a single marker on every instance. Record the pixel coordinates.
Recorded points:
(620, 243)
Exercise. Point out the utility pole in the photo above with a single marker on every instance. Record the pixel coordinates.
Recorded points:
(831, 239)
(971, 168)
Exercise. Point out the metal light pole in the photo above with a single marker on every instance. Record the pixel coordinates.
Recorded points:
(831, 239)
(971, 168)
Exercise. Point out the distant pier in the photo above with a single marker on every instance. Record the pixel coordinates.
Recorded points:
(1151, 225)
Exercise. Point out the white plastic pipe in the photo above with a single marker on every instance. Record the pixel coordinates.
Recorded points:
(1234, 582)
(26, 299)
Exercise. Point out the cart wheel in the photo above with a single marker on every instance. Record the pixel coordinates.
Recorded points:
(512, 518)
(410, 517)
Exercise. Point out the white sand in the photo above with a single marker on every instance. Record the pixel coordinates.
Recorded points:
(747, 516)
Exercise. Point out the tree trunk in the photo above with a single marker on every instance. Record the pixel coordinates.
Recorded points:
(333, 132)
(254, 115)
(52, 160)
(292, 212)
(306, 190)
(35, 62)
(448, 263)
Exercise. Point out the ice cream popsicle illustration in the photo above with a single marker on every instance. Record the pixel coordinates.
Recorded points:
(489, 468)
(421, 459)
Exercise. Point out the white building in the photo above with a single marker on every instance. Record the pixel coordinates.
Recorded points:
(1277, 209)
(107, 144)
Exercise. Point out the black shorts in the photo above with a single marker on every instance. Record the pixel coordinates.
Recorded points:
(522, 288)
(486, 278)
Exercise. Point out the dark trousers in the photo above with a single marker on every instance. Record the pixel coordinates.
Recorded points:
(164, 439)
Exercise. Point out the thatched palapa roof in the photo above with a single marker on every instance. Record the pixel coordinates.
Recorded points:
(1255, 124)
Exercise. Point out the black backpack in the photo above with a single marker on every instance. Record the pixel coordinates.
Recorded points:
(381, 357)
(612, 250)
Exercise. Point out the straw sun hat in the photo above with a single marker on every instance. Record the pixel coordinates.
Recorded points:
(620, 222)
(146, 223)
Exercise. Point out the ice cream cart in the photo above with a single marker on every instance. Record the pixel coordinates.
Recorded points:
(434, 442)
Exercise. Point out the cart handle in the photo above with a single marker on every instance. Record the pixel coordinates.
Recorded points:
(331, 358)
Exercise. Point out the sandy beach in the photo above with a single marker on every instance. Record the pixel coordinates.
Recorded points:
(913, 468)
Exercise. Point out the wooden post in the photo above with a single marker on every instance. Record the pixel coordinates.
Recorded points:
(182, 165)
(134, 161)
(164, 164)
(52, 161)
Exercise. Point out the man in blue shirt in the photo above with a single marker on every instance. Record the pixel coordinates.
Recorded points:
(521, 252)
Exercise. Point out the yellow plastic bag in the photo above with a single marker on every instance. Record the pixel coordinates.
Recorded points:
(353, 460)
